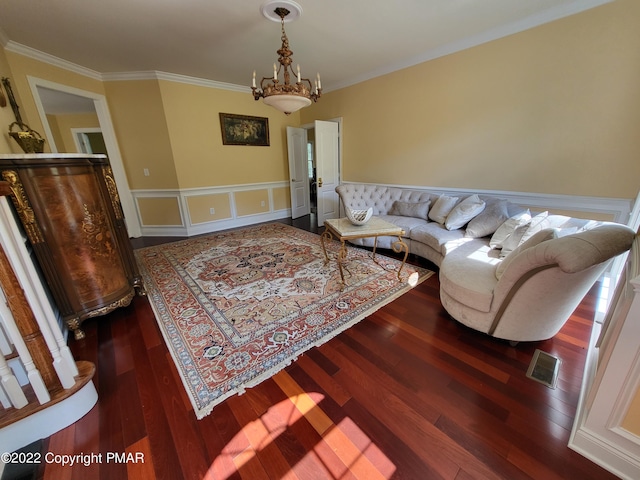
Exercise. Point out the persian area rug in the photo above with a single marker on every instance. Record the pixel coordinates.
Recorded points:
(237, 307)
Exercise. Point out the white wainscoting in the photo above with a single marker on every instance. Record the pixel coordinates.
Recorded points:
(611, 380)
(618, 209)
(187, 228)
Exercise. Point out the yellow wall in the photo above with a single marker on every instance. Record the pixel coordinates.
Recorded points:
(200, 207)
(550, 110)
(21, 67)
(252, 202)
(141, 128)
(553, 110)
(61, 126)
(192, 116)
(631, 421)
(281, 198)
(7, 144)
(159, 211)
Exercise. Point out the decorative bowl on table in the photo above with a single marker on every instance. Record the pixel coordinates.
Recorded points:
(359, 217)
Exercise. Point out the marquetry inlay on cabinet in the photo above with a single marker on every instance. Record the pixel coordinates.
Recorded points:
(71, 213)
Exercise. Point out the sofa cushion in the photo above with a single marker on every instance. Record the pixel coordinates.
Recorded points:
(523, 232)
(409, 209)
(380, 198)
(508, 227)
(537, 238)
(442, 207)
(467, 274)
(463, 212)
(495, 213)
(408, 224)
(435, 236)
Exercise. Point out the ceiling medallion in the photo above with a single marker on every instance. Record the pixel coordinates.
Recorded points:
(285, 96)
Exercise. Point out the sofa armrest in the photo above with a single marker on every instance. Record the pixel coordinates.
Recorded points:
(571, 254)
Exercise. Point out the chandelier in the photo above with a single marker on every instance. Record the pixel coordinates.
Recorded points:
(283, 95)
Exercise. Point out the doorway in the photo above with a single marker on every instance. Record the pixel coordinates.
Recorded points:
(89, 140)
(314, 169)
(54, 99)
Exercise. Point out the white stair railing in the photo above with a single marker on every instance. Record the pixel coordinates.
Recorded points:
(35, 379)
(14, 247)
(11, 393)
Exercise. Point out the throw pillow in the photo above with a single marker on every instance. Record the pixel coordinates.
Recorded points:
(537, 238)
(523, 233)
(462, 213)
(407, 209)
(444, 204)
(508, 227)
(494, 215)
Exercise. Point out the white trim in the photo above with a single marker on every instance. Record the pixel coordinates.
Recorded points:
(188, 228)
(532, 21)
(550, 15)
(76, 139)
(43, 57)
(173, 77)
(619, 208)
(610, 381)
(50, 420)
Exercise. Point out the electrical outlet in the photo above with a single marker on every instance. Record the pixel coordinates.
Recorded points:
(146, 172)
(212, 211)
(262, 204)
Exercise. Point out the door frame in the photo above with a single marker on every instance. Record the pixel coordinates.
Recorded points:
(338, 120)
(76, 132)
(294, 160)
(106, 126)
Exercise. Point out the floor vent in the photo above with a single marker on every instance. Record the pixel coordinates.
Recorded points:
(544, 368)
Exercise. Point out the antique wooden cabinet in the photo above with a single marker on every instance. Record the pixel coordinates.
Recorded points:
(69, 207)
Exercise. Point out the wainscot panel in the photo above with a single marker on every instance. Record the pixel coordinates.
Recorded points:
(203, 210)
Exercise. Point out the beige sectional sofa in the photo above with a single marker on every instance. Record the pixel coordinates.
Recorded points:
(503, 270)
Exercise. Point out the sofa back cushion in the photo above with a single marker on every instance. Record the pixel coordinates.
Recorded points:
(410, 209)
(463, 212)
(380, 198)
(535, 239)
(442, 207)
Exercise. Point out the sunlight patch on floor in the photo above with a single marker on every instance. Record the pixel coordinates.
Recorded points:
(344, 449)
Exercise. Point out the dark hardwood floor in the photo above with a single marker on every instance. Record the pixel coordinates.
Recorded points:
(408, 393)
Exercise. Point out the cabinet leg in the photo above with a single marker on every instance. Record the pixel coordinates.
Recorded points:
(139, 287)
(74, 325)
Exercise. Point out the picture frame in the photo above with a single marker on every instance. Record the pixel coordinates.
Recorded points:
(244, 130)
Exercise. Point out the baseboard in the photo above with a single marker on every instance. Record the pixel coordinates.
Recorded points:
(600, 452)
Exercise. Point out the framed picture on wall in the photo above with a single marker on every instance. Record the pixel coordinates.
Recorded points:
(244, 130)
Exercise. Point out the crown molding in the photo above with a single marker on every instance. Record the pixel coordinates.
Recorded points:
(173, 77)
(118, 76)
(29, 52)
(550, 15)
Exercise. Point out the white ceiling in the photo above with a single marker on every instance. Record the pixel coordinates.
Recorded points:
(346, 41)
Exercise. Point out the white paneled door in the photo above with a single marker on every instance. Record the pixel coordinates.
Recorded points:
(327, 169)
(298, 171)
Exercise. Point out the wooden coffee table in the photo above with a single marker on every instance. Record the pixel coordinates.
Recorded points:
(342, 229)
